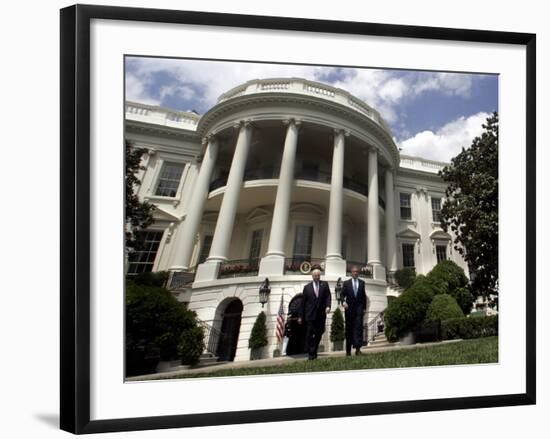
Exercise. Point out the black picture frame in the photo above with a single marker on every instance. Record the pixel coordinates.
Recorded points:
(75, 217)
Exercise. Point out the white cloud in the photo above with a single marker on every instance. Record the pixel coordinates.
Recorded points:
(205, 81)
(447, 141)
(453, 84)
(135, 91)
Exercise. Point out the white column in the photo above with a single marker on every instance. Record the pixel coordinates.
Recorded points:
(373, 236)
(334, 264)
(273, 262)
(228, 210)
(188, 229)
(391, 245)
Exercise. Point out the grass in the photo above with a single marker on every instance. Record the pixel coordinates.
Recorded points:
(476, 351)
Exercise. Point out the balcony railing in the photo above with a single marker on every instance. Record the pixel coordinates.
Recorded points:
(303, 174)
(294, 265)
(180, 279)
(365, 271)
(239, 268)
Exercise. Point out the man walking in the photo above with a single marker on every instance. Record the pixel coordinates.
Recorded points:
(314, 310)
(355, 305)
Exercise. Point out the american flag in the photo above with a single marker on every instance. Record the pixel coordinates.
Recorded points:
(280, 330)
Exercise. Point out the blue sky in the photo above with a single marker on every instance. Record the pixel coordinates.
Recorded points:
(431, 114)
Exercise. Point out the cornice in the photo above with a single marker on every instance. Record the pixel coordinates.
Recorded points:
(167, 131)
(208, 122)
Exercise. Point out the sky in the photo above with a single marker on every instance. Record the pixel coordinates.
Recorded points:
(431, 114)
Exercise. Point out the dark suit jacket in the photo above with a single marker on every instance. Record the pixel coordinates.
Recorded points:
(355, 304)
(313, 307)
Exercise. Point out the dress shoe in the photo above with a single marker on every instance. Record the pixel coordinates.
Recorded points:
(358, 352)
(348, 354)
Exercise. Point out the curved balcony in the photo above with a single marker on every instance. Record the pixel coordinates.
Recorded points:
(303, 174)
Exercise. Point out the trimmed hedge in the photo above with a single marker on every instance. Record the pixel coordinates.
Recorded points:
(405, 277)
(337, 327)
(258, 336)
(409, 309)
(155, 321)
(443, 307)
(466, 328)
(191, 345)
(448, 278)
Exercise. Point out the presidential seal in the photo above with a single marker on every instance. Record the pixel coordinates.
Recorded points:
(305, 267)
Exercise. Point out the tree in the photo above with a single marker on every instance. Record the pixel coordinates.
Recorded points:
(258, 336)
(337, 327)
(156, 321)
(471, 209)
(138, 214)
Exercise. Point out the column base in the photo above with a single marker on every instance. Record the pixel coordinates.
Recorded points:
(207, 271)
(272, 265)
(335, 267)
(379, 272)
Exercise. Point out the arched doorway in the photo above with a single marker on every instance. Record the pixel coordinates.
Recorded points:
(229, 331)
(297, 340)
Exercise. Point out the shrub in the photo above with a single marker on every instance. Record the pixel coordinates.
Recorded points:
(448, 278)
(428, 331)
(443, 307)
(405, 277)
(152, 279)
(191, 345)
(155, 321)
(466, 328)
(258, 336)
(408, 310)
(337, 327)
(465, 299)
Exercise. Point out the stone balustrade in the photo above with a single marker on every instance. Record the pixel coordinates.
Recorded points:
(308, 88)
(161, 116)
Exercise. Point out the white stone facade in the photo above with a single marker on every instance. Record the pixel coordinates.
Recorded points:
(279, 171)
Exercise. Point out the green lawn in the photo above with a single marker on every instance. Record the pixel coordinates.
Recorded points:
(481, 350)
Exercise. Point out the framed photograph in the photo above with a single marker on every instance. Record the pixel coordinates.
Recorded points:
(275, 218)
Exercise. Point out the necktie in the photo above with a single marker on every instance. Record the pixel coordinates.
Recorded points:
(355, 287)
(316, 289)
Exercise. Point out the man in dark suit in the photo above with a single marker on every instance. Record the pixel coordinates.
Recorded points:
(314, 310)
(355, 305)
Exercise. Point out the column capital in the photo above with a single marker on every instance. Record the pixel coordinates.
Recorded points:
(209, 138)
(342, 131)
(247, 123)
(291, 120)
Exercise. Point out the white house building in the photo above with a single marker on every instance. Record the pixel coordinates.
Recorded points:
(280, 172)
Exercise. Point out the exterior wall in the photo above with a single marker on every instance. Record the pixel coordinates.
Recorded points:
(175, 136)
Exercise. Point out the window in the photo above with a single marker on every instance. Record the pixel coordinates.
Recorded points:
(408, 255)
(302, 243)
(436, 210)
(143, 260)
(310, 171)
(169, 179)
(256, 244)
(205, 250)
(441, 253)
(405, 204)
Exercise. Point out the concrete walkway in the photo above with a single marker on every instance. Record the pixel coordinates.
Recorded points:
(181, 370)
